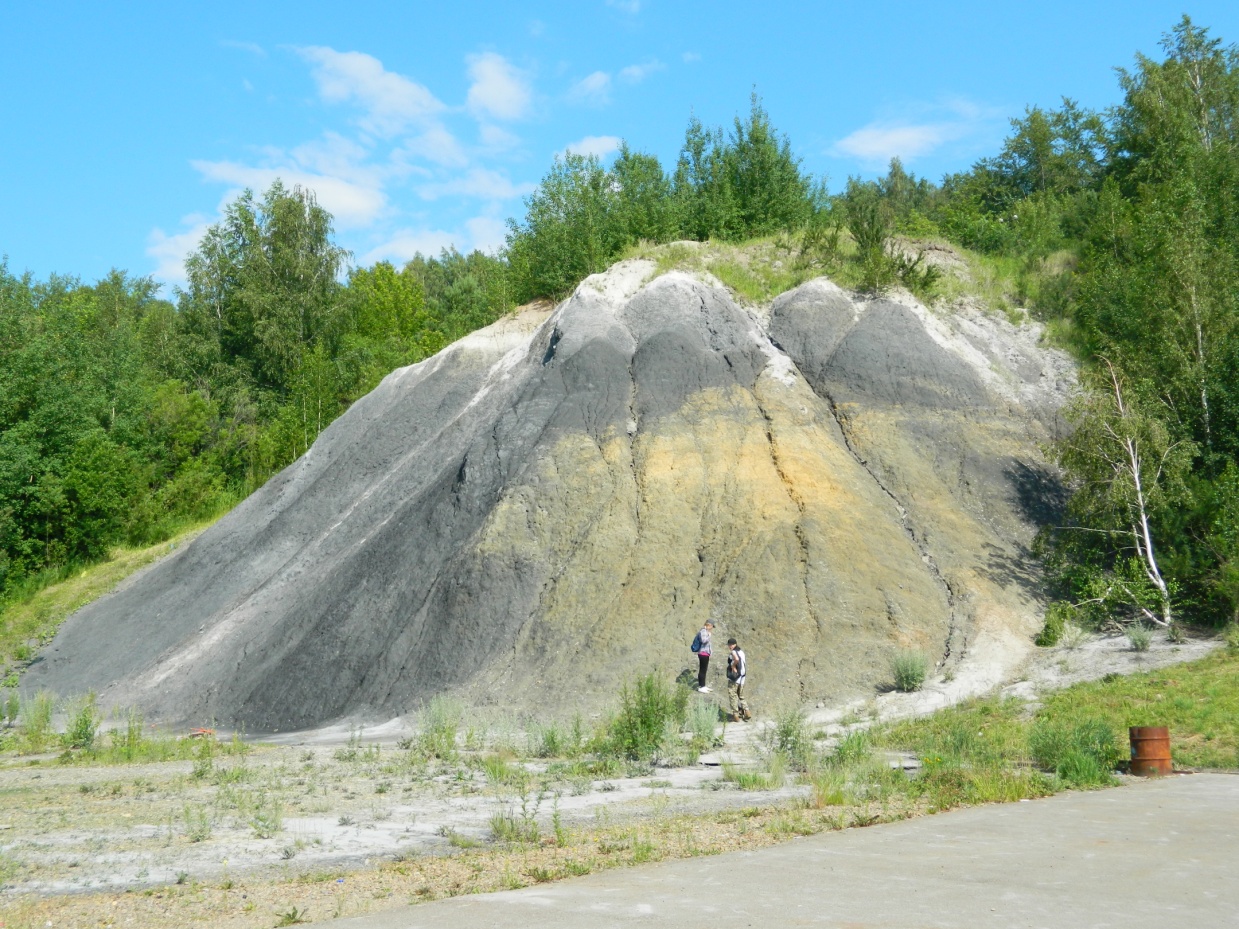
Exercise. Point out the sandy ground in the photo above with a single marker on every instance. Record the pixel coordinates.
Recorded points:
(340, 799)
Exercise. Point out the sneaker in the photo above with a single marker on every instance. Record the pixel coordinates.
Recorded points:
(704, 690)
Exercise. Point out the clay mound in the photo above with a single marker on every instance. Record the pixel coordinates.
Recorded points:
(556, 503)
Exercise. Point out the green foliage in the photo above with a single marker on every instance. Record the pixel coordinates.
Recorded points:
(1082, 754)
(83, 725)
(790, 738)
(1139, 636)
(1057, 616)
(649, 711)
(440, 726)
(908, 668)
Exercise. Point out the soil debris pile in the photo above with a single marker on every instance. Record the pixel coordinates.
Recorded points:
(556, 503)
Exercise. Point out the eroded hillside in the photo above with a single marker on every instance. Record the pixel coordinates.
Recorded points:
(555, 503)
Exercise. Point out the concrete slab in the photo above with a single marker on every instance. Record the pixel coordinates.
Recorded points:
(1153, 854)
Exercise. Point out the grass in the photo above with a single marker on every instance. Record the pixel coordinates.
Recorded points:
(30, 617)
(908, 668)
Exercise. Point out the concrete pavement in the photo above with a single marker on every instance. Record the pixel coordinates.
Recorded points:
(1158, 854)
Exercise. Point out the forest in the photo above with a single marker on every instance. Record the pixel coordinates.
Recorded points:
(125, 416)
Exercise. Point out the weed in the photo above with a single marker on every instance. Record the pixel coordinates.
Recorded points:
(1139, 637)
(266, 817)
(1230, 635)
(83, 724)
(791, 739)
(291, 917)
(198, 823)
(458, 840)
(182, 877)
(702, 722)
(640, 729)
(35, 721)
(440, 725)
(908, 669)
(1081, 755)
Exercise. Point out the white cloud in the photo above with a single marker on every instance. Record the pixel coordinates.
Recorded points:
(486, 233)
(170, 251)
(481, 183)
(595, 89)
(252, 47)
(351, 203)
(635, 74)
(437, 145)
(691, 57)
(406, 243)
(496, 139)
(929, 127)
(499, 89)
(880, 143)
(626, 6)
(391, 101)
(598, 145)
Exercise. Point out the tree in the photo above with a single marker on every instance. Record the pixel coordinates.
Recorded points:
(263, 284)
(1125, 469)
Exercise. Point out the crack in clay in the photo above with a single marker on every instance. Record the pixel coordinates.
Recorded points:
(927, 557)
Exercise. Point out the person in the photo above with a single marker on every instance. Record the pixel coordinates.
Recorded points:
(701, 645)
(737, 669)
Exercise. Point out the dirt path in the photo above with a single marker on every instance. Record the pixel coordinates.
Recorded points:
(1153, 854)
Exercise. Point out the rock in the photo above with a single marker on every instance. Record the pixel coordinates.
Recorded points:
(555, 504)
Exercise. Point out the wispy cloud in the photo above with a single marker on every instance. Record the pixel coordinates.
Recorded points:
(635, 74)
(481, 183)
(594, 89)
(499, 89)
(171, 249)
(405, 243)
(597, 145)
(486, 233)
(690, 57)
(352, 204)
(925, 130)
(390, 101)
(626, 6)
(252, 47)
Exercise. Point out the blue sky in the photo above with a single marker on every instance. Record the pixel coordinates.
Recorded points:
(128, 126)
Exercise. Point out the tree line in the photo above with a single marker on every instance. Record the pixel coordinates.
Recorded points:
(123, 415)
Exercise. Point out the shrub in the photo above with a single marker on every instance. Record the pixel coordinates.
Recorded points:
(440, 724)
(702, 721)
(1140, 637)
(83, 725)
(908, 668)
(1082, 755)
(1057, 617)
(790, 738)
(640, 729)
(35, 721)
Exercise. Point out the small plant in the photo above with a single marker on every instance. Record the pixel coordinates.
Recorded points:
(83, 725)
(1175, 634)
(1230, 635)
(1139, 637)
(292, 917)
(457, 839)
(198, 824)
(35, 721)
(909, 669)
(853, 749)
(266, 818)
(791, 738)
(702, 721)
(182, 877)
(440, 725)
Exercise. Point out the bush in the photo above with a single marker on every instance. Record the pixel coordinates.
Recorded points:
(909, 669)
(35, 721)
(790, 738)
(1140, 637)
(1081, 755)
(440, 724)
(640, 730)
(1057, 617)
(83, 726)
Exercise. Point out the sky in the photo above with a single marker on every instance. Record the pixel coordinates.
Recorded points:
(128, 127)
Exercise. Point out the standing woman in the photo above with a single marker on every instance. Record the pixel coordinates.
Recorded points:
(701, 645)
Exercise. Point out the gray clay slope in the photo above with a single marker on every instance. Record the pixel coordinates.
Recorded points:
(556, 503)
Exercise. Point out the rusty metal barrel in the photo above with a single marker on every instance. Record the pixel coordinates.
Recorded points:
(1150, 750)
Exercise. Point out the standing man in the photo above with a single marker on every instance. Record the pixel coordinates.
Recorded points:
(737, 668)
(701, 645)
